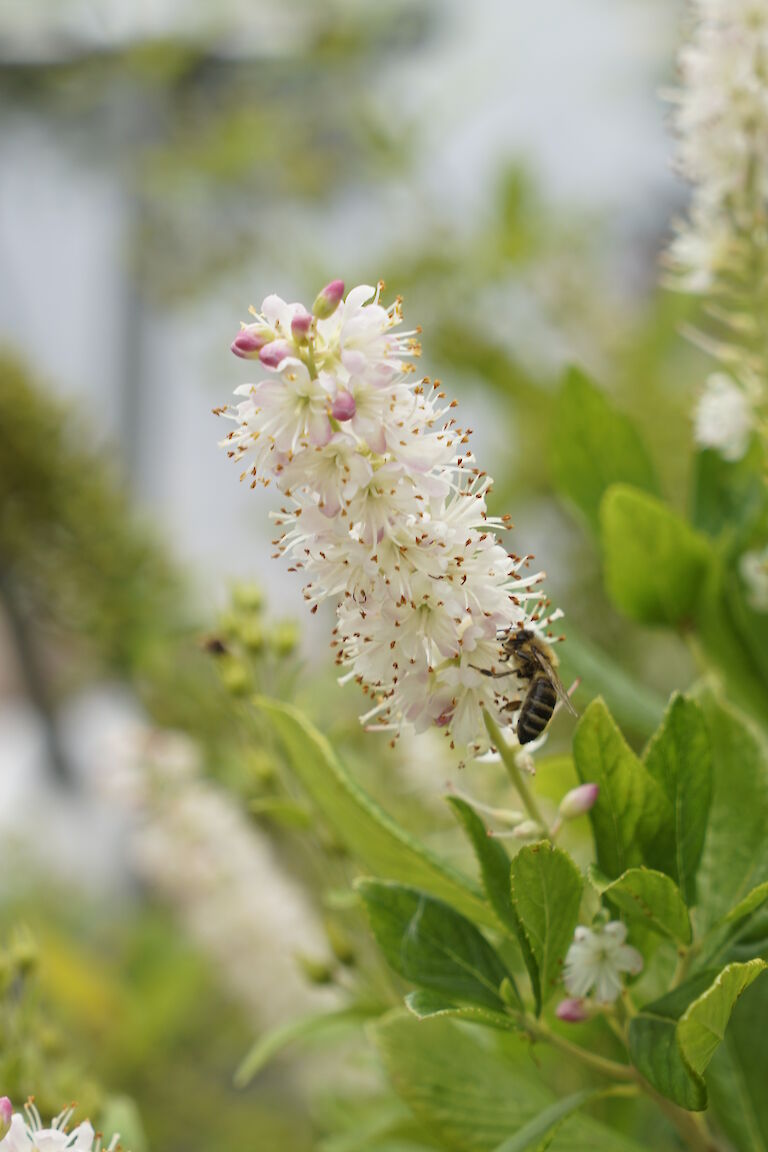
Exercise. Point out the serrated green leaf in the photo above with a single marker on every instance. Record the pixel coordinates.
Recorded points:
(429, 944)
(679, 758)
(735, 855)
(424, 1005)
(470, 1097)
(654, 561)
(631, 813)
(594, 446)
(655, 1051)
(495, 867)
(756, 898)
(654, 899)
(673, 1040)
(546, 892)
(702, 1027)
(738, 1074)
(303, 1028)
(376, 841)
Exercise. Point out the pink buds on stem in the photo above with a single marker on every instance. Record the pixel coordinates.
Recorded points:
(327, 300)
(579, 800)
(301, 325)
(572, 1011)
(6, 1113)
(273, 354)
(249, 342)
(343, 407)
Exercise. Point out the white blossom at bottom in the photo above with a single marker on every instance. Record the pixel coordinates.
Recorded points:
(597, 959)
(27, 1134)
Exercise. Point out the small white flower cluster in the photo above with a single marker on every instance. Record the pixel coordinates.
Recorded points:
(25, 1133)
(753, 568)
(724, 417)
(722, 123)
(721, 251)
(384, 510)
(596, 961)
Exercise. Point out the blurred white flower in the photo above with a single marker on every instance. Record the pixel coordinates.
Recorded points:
(596, 960)
(385, 511)
(27, 1134)
(721, 118)
(724, 417)
(753, 567)
(195, 848)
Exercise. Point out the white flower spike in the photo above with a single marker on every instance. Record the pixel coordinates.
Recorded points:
(596, 961)
(26, 1133)
(384, 510)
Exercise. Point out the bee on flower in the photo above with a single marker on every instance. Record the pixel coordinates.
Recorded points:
(384, 511)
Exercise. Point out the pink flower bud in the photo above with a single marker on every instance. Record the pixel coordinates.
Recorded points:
(579, 800)
(249, 342)
(572, 1011)
(343, 407)
(328, 300)
(6, 1112)
(301, 325)
(273, 354)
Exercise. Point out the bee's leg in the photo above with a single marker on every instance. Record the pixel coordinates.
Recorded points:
(492, 673)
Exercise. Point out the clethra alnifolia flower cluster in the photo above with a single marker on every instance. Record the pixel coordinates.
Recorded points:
(721, 250)
(384, 511)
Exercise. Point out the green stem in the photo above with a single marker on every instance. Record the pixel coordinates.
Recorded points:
(611, 1068)
(515, 775)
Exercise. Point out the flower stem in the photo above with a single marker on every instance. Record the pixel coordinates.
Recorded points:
(515, 775)
(610, 1068)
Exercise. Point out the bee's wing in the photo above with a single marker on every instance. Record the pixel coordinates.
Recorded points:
(554, 680)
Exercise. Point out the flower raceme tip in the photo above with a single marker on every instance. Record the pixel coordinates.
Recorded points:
(383, 509)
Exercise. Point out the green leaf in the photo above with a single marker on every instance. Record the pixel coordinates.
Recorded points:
(756, 898)
(654, 561)
(728, 638)
(425, 1005)
(735, 855)
(430, 944)
(471, 1097)
(679, 758)
(655, 1051)
(727, 493)
(673, 1040)
(303, 1028)
(594, 446)
(537, 1135)
(631, 814)
(546, 892)
(654, 899)
(371, 835)
(738, 1074)
(702, 1027)
(495, 868)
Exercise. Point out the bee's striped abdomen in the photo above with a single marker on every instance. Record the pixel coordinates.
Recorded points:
(537, 709)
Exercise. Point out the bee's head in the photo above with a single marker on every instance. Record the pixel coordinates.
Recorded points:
(517, 637)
